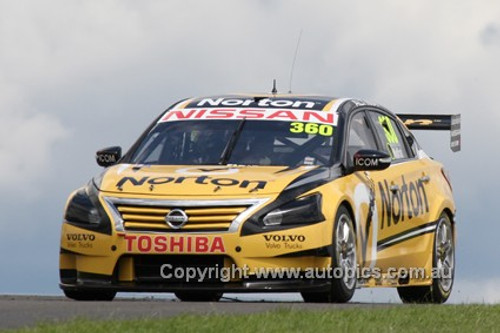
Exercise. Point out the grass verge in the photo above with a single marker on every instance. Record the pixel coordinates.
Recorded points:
(407, 318)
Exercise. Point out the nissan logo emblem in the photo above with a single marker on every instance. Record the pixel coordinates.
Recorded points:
(176, 218)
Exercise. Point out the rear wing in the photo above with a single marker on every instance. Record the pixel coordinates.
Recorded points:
(438, 122)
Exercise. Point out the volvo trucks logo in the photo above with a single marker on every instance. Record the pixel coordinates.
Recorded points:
(176, 218)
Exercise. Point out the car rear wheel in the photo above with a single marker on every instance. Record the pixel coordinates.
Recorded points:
(343, 282)
(90, 295)
(193, 296)
(443, 269)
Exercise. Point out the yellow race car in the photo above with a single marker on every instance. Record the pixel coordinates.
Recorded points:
(266, 193)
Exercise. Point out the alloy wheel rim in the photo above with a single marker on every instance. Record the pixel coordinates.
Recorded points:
(346, 251)
(445, 255)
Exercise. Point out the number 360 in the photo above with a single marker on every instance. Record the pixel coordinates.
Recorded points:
(311, 128)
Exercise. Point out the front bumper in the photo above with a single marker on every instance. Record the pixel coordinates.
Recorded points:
(132, 261)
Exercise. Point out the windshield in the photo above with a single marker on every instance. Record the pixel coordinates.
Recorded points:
(210, 142)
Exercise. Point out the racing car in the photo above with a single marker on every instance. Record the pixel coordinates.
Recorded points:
(266, 193)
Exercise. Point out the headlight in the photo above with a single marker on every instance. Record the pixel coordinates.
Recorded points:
(299, 211)
(85, 211)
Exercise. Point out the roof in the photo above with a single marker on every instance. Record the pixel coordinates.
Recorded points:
(267, 101)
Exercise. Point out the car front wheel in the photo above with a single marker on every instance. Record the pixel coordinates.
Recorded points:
(343, 282)
(90, 295)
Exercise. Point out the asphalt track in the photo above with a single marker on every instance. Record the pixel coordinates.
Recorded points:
(23, 311)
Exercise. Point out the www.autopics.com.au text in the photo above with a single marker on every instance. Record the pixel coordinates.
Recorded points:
(230, 273)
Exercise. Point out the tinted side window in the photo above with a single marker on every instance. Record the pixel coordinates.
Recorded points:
(412, 142)
(392, 140)
(360, 136)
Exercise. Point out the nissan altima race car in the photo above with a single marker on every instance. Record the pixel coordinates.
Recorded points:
(266, 193)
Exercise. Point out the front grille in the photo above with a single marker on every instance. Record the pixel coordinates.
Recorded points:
(152, 218)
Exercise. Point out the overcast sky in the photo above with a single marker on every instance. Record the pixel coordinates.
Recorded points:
(76, 76)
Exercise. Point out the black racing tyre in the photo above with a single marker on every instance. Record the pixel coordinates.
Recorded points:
(315, 297)
(198, 296)
(343, 259)
(90, 295)
(443, 264)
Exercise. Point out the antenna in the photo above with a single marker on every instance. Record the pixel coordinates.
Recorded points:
(293, 62)
(274, 91)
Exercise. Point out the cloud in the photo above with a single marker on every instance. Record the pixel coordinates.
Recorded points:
(490, 35)
(27, 139)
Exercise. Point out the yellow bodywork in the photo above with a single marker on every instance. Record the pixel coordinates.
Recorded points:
(96, 253)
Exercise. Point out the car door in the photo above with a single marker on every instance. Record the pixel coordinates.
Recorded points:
(401, 194)
(360, 136)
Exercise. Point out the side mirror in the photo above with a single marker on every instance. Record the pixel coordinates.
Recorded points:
(367, 160)
(108, 156)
